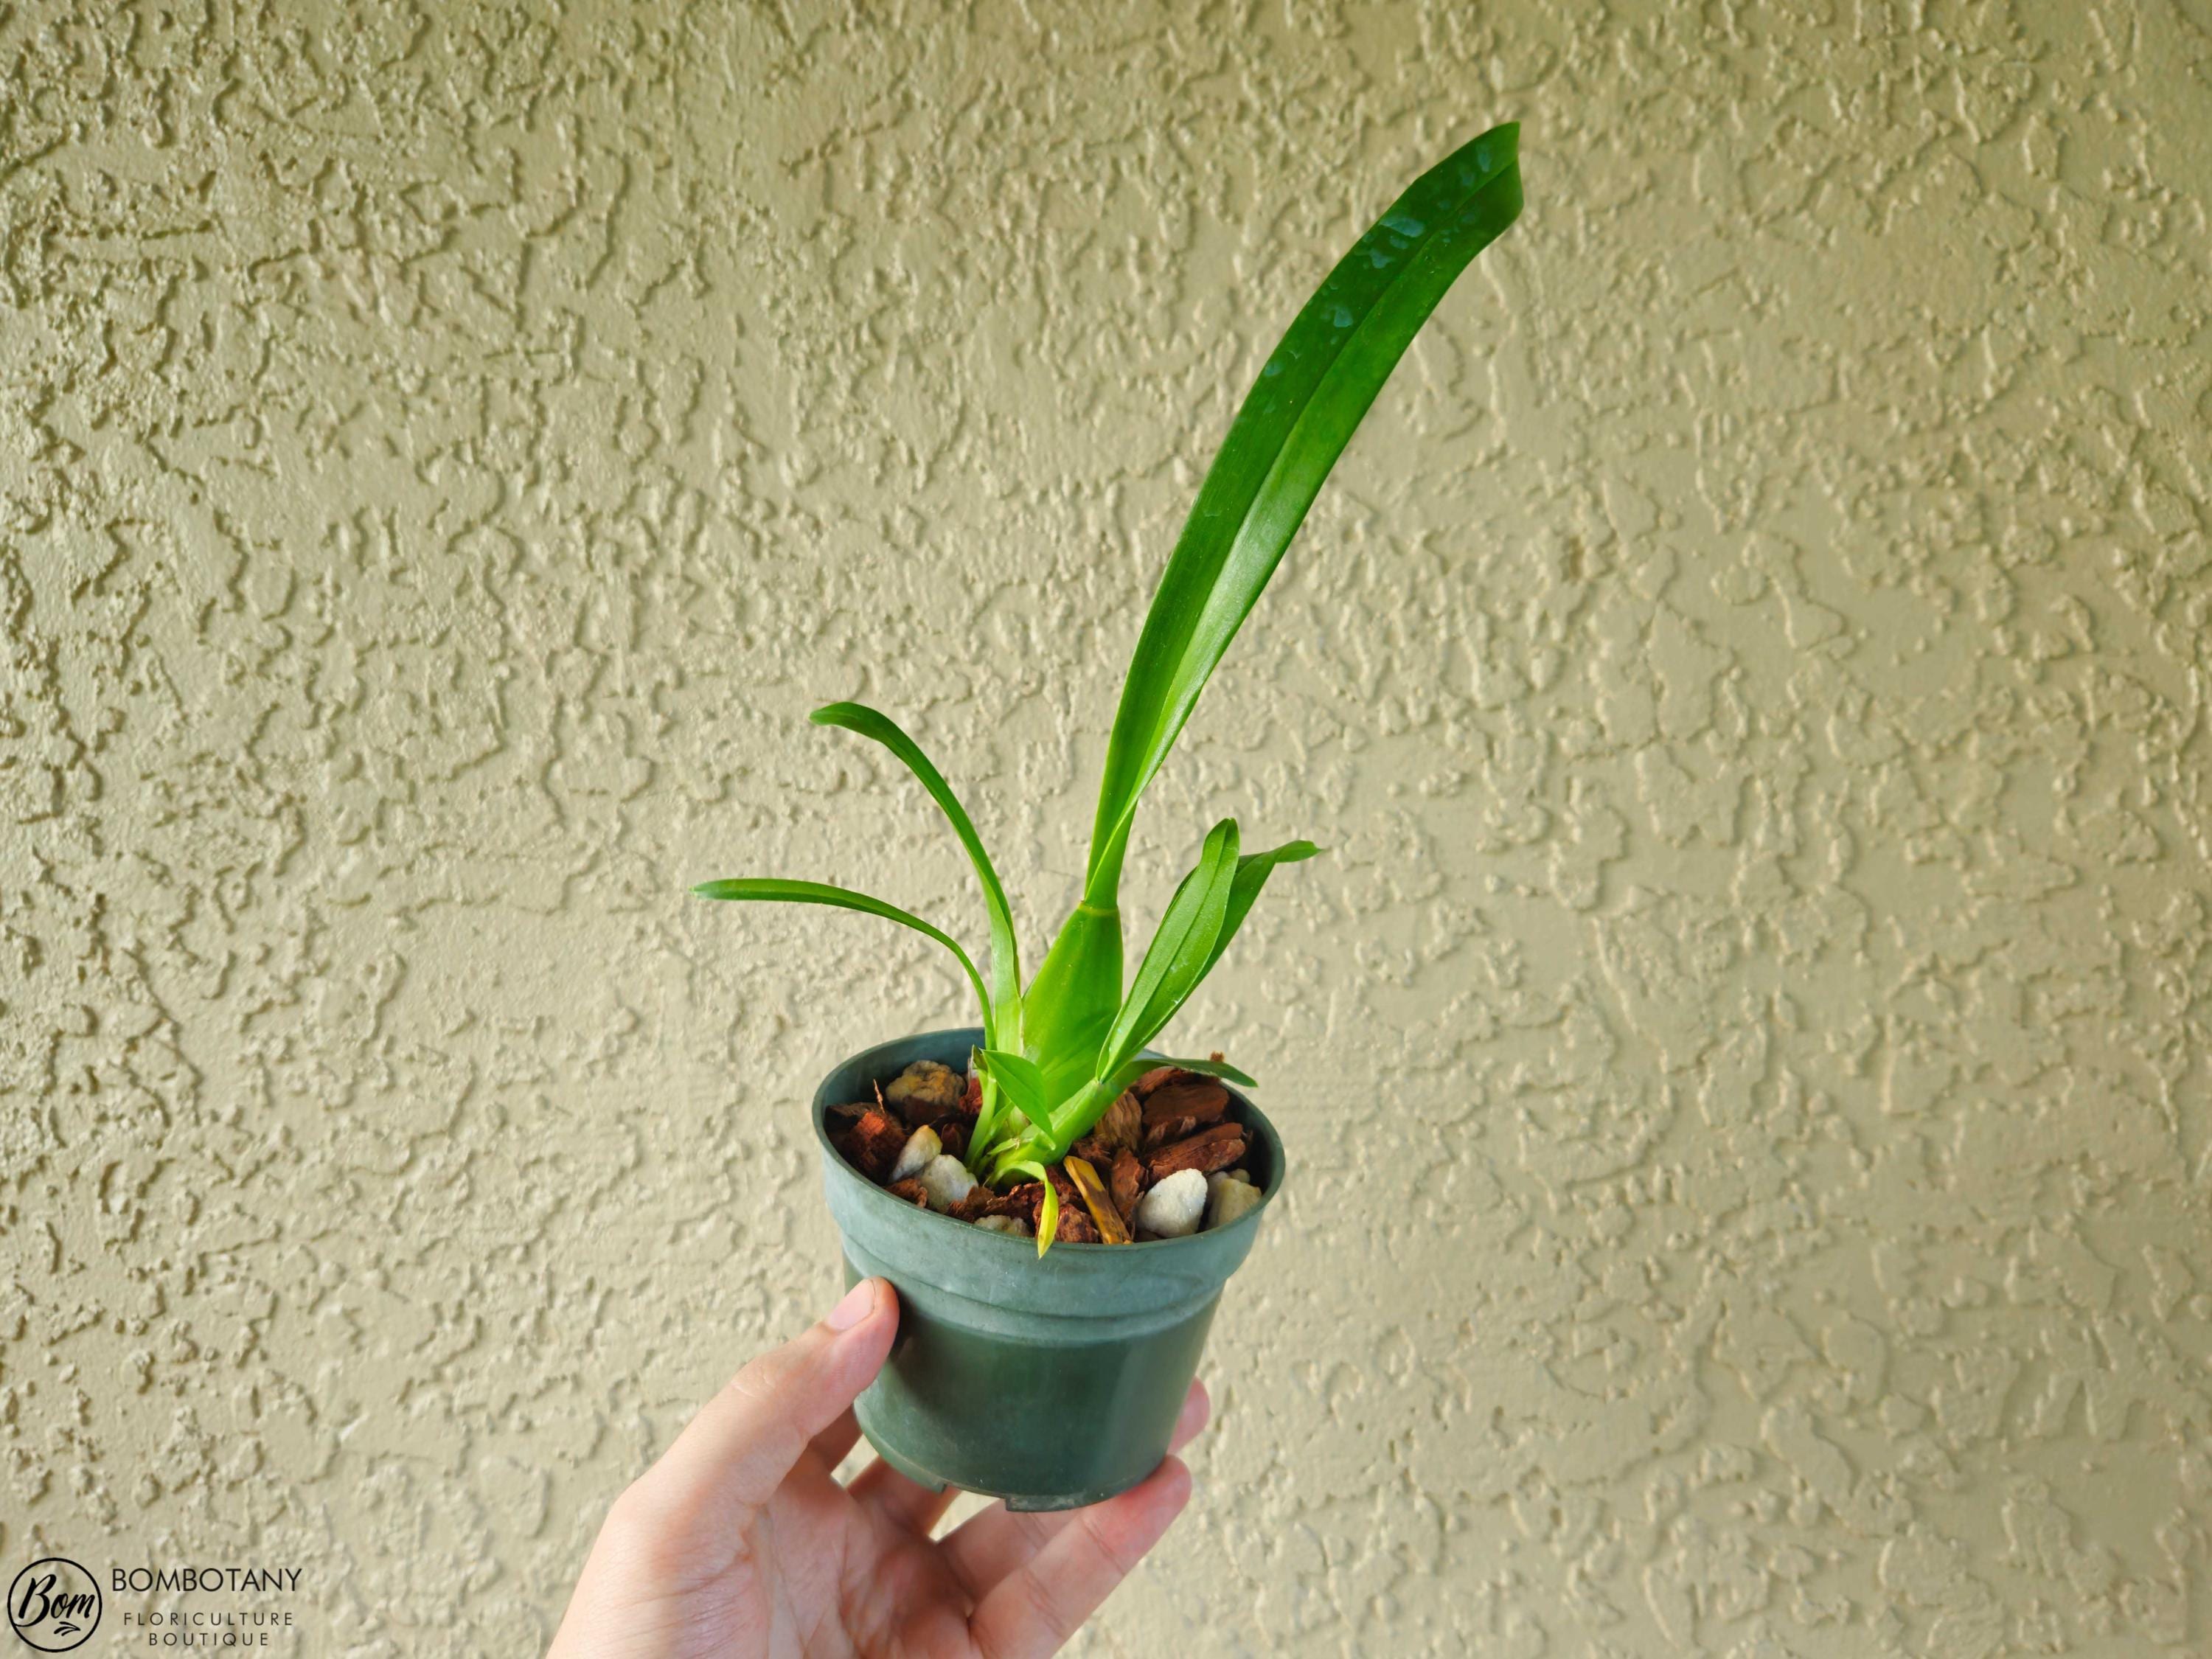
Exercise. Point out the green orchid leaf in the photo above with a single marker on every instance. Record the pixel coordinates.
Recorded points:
(1252, 872)
(983, 1132)
(1070, 1005)
(769, 889)
(1311, 395)
(1023, 1082)
(1005, 964)
(1181, 951)
(1310, 398)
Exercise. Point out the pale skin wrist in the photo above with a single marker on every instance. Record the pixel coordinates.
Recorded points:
(739, 1541)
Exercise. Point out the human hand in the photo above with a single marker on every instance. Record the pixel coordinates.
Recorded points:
(740, 1541)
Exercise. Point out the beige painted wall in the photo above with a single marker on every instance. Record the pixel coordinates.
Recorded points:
(1747, 1055)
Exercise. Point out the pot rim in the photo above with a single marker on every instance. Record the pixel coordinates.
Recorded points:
(1253, 1117)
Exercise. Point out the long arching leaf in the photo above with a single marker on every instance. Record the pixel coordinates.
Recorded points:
(1005, 964)
(1296, 420)
(771, 890)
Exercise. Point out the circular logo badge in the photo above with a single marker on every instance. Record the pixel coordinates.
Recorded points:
(53, 1604)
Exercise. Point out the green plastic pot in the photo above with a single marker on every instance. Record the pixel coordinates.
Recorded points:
(1049, 1382)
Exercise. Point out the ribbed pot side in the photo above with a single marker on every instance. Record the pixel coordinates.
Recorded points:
(1049, 1382)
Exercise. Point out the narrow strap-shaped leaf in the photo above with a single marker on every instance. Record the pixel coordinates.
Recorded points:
(1180, 951)
(771, 890)
(1252, 872)
(1023, 1083)
(1294, 423)
(1005, 965)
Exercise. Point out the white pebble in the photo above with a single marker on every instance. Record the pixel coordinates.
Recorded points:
(945, 1180)
(914, 1157)
(1227, 1196)
(1171, 1209)
(1005, 1223)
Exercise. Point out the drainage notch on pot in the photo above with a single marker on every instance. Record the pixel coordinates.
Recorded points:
(1048, 1381)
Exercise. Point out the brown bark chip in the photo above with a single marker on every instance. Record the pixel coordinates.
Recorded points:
(1126, 1183)
(872, 1143)
(1023, 1203)
(1199, 1097)
(1075, 1226)
(976, 1206)
(1119, 1130)
(1207, 1150)
(952, 1135)
(1153, 1078)
(1161, 1133)
(1180, 1108)
(911, 1190)
(1123, 1123)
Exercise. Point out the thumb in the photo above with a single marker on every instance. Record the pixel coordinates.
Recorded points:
(736, 1452)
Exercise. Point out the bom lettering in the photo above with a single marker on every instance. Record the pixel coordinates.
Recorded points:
(43, 1598)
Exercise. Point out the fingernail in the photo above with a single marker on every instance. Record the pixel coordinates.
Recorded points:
(859, 1302)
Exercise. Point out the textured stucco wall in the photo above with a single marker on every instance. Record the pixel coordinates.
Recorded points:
(1746, 1053)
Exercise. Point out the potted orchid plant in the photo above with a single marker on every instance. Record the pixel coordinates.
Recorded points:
(1049, 1373)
